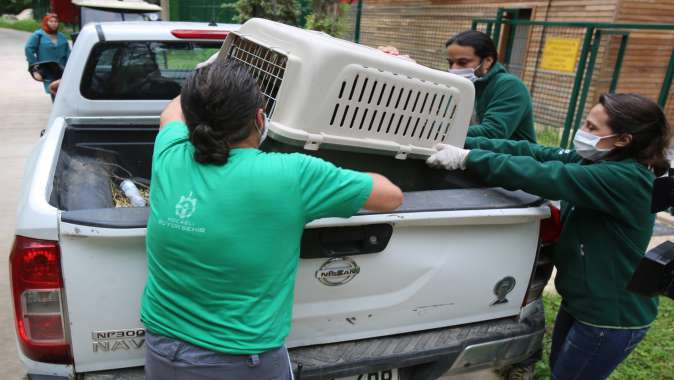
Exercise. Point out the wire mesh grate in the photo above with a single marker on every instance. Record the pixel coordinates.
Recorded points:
(265, 65)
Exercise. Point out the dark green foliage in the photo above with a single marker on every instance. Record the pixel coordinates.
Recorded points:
(328, 17)
(14, 6)
(285, 11)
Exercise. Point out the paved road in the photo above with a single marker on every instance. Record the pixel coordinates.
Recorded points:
(25, 107)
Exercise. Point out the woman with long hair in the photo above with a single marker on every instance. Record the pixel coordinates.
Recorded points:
(223, 236)
(605, 186)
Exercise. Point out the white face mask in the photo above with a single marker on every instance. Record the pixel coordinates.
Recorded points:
(263, 132)
(467, 73)
(586, 145)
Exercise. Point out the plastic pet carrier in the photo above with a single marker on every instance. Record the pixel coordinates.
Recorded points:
(322, 91)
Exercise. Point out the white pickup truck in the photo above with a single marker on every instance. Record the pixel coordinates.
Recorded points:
(449, 283)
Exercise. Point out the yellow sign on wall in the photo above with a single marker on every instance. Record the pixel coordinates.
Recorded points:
(560, 54)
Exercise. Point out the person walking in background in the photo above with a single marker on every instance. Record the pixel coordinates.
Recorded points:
(605, 185)
(47, 44)
(503, 108)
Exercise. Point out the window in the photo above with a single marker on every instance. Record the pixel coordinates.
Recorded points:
(128, 70)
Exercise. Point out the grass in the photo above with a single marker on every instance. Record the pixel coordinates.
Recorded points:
(32, 25)
(651, 360)
(549, 136)
(25, 25)
(187, 59)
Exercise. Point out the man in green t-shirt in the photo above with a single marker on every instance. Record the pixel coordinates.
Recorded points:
(223, 236)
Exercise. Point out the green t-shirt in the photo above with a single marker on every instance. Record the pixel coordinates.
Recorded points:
(223, 241)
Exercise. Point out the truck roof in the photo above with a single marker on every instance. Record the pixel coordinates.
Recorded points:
(149, 31)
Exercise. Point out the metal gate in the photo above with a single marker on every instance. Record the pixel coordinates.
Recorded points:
(567, 65)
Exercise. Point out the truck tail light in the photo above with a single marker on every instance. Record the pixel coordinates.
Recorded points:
(551, 227)
(550, 230)
(37, 284)
(200, 34)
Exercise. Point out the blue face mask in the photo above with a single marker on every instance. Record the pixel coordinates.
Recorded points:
(467, 73)
(586, 145)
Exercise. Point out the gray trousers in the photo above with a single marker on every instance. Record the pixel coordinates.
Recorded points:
(171, 359)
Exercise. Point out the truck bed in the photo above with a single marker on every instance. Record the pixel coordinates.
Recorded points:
(93, 156)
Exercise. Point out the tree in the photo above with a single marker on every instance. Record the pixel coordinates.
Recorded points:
(328, 17)
(14, 6)
(285, 11)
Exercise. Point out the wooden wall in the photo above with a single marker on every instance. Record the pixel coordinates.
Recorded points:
(420, 28)
(648, 52)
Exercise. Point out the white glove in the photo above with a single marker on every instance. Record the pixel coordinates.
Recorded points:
(208, 61)
(448, 157)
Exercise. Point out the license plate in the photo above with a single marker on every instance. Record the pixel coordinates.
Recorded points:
(389, 374)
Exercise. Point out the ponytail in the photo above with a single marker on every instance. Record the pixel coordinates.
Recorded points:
(220, 102)
(209, 147)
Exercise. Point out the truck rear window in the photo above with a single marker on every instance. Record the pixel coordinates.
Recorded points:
(128, 70)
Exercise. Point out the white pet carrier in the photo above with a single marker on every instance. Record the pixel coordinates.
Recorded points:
(324, 91)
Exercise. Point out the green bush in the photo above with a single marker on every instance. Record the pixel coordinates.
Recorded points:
(25, 25)
(14, 6)
(285, 11)
(328, 17)
(32, 25)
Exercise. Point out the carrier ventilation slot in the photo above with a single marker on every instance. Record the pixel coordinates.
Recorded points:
(266, 66)
(378, 108)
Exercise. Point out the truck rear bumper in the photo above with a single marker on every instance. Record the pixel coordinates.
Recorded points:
(428, 354)
(419, 356)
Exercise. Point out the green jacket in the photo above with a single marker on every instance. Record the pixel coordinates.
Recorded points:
(503, 107)
(607, 223)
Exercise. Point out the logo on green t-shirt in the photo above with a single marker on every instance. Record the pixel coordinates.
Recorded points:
(186, 206)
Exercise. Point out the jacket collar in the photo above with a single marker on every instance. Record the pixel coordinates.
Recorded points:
(496, 69)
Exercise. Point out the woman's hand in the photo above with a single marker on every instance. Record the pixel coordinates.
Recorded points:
(54, 86)
(388, 49)
(36, 73)
(392, 50)
(448, 157)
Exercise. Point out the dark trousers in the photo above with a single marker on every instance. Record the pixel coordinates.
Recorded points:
(172, 359)
(583, 352)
